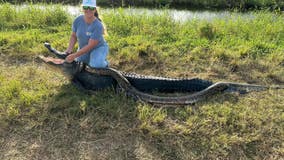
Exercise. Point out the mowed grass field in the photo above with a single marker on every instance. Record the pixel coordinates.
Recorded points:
(44, 116)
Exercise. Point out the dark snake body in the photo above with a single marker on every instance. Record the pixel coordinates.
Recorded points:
(205, 89)
(180, 100)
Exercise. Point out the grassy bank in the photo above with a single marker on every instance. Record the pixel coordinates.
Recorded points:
(43, 116)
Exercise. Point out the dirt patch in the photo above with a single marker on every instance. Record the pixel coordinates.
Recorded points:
(60, 141)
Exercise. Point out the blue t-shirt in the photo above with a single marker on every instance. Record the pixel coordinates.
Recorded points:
(86, 31)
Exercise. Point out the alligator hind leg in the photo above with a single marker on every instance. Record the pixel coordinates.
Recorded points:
(118, 89)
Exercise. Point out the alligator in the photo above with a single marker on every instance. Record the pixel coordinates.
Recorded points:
(140, 86)
(79, 74)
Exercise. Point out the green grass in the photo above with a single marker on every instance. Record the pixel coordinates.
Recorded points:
(32, 16)
(43, 116)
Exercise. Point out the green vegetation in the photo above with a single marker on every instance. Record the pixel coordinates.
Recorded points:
(43, 116)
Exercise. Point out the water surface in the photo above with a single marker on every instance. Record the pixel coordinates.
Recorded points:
(178, 15)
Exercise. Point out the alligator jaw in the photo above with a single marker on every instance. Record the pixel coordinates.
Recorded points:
(59, 65)
(57, 53)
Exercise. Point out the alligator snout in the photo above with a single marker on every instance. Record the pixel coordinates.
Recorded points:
(59, 65)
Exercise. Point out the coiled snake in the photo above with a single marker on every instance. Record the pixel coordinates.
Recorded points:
(181, 100)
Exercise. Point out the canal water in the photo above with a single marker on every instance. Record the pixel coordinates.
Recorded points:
(178, 15)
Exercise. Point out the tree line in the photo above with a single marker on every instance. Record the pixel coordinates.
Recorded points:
(190, 4)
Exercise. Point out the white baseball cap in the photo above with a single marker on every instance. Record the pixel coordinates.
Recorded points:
(91, 3)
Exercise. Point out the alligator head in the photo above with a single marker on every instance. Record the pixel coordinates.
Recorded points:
(59, 64)
(69, 70)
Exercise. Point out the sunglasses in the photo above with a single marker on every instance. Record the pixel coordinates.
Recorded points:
(88, 7)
